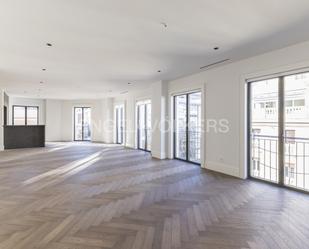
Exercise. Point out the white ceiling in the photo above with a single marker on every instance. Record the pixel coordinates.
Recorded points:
(101, 45)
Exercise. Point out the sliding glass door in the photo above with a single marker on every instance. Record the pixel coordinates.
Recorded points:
(119, 124)
(279, 130)
(187, 127)
(82, 124)
(144, 125)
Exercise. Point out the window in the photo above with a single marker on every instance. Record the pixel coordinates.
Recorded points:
(256, 164)
(270, 105)
(256, 131)
(290, 136)
(25, 115)
(289, 171)
(282, 146)
(299, 102)
(289, 103)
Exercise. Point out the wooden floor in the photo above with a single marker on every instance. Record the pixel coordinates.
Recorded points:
(93, 196)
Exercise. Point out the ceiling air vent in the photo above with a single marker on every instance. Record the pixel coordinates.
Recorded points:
(124, 92)
(214, 64)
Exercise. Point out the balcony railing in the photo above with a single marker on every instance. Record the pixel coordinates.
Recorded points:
(194, 145)
(264, 160)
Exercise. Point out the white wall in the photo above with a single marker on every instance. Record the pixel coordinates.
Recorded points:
(27, 102)
(225, 98)
(53, 120)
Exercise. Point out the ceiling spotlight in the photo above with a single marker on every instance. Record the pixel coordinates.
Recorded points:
(41, 82)
(129, 83)
(43, 69)
(49, 44)
(159, 71)
(163, 24)
(216, 48)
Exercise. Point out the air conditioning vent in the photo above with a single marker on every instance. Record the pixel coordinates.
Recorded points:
(214, 64)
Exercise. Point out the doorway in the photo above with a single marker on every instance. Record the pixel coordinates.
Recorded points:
(82, 124)
(187, 127)
(278, 130)
(119, 124)
(144, 126)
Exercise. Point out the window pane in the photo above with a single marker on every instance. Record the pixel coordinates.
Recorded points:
(264, 130)
(87, 124)
(148, 126)
(141, 127)
(78, 124)
(195, 127)
(32, 116)
(296, 124)
(19, 115)
(180, 127)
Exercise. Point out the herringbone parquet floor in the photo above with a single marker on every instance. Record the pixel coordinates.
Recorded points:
(91, 196)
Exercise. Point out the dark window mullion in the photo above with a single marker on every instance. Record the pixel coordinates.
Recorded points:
(281, 129)
(187, 127)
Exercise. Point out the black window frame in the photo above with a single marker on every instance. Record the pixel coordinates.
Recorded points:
(26, 118)
(187, 126)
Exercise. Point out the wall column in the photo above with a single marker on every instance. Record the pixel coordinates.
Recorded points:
(159, 119)
(107, 120)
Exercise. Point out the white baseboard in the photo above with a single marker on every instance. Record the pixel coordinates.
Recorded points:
(223, 168)
(158, 155)
(131, 146)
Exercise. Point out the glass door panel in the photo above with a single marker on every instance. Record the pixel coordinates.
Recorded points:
(194, 132)
(141, 127)
(296, 135)
(82, 124)
(187, 127)
(119, 125)
(148, 127)
(264, 130)
(144, 126)
(87, 124)
(180, 132)
(78, 117)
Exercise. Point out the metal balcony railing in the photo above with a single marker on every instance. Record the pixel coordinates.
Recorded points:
(264, 160)
(194, 145)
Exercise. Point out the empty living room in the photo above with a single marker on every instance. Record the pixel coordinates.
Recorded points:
(151, 124)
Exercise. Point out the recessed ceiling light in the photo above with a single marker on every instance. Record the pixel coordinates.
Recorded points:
(159, 71)
(164, 24)
(41, 82)
(129, 83)
(216, 48)
(49, 44)
(43, 69)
